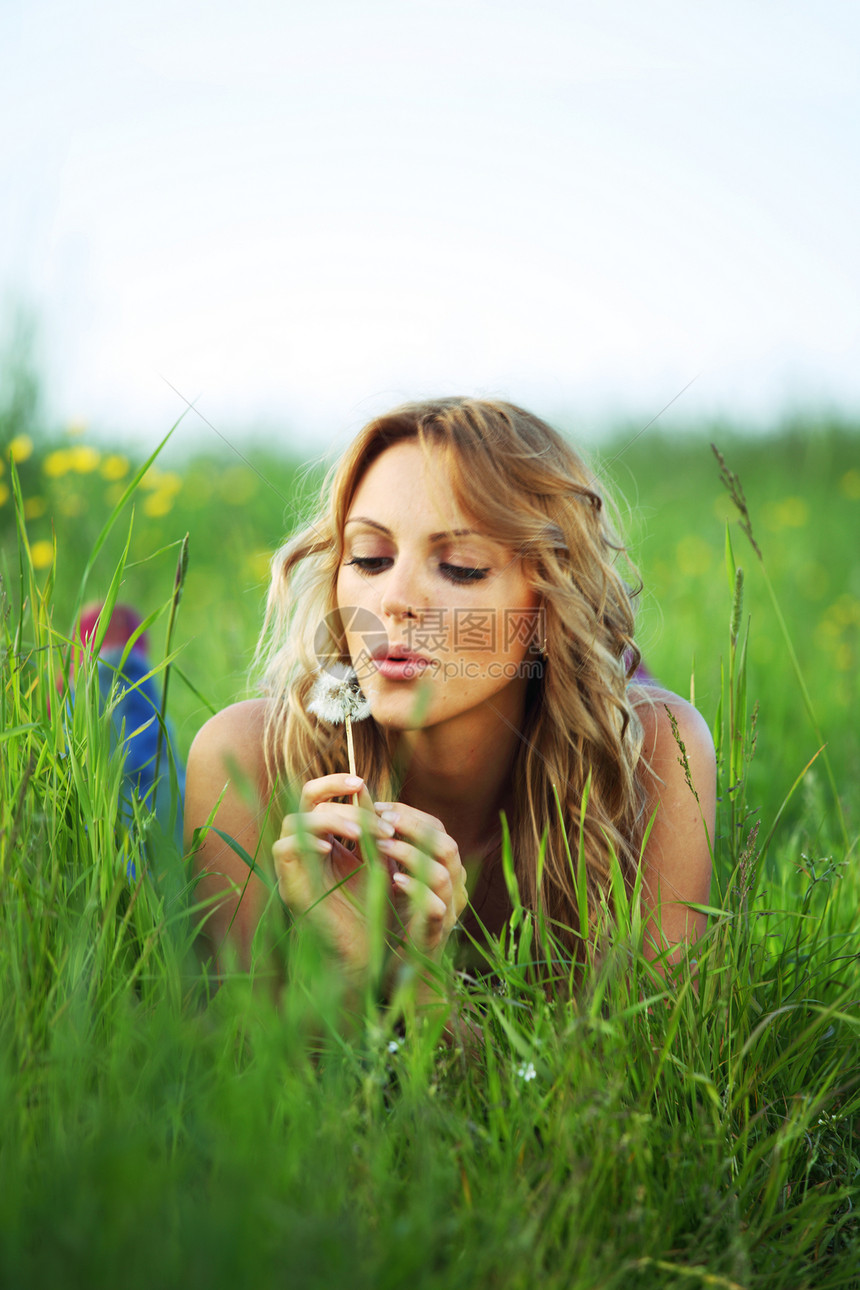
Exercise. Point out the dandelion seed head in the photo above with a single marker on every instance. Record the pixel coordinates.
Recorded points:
(336, 696)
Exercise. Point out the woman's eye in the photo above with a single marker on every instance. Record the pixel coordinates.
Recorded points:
(461, 573)
(369, 563)
(457, 573)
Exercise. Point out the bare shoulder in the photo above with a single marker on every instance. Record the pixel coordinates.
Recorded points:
(232, 742)
(226, 816)
(678, 770)
(672, 729)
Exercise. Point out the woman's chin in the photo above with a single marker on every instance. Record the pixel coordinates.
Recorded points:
(400, 707)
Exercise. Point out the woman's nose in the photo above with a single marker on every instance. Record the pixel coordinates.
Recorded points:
(401, 593)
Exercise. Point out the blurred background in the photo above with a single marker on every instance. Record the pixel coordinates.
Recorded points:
(294, 214)
(637, 220)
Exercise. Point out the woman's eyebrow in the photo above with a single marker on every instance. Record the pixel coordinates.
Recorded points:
(434, 537)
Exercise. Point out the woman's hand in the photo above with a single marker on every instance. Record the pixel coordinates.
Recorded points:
(429, 882)
(320, 876)
(317, 872)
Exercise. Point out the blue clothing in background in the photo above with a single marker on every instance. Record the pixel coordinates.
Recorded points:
(135, 722)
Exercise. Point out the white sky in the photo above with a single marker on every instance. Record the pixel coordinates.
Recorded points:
(301, 212)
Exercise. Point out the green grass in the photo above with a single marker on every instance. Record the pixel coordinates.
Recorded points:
(803, 490)
(638, 1136)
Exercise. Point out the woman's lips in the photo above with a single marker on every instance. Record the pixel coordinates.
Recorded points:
(397, 666)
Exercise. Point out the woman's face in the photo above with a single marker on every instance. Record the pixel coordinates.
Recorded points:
(457, 617)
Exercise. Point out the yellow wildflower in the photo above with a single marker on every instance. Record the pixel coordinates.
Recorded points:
(114, 466)
(34, 507)
(845, 658)
(693, 555)
(846, 610)
(813, 578)
(837, 629)
(161, 480)
(259, 564)
(724, 507)
(158, 504)
(57, 463)
(198, 489)
(849, 484)
(21, 447)
(42, 553)
(84, 458)
(72, 504)
(790, 513)
(237, 485)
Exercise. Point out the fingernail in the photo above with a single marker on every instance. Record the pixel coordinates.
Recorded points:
(385, 844)
(322, 845)
(352, 781)
(389, 817)
(386, 828)
(402, 879)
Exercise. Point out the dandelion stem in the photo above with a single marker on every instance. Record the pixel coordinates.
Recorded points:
(350, 749)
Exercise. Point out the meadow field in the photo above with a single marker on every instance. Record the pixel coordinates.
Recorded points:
(638, 1134)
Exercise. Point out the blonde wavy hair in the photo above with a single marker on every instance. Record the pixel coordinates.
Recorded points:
(522, 484)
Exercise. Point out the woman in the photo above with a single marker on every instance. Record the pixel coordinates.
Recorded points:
(465, 568)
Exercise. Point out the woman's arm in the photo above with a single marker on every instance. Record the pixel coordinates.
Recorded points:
(677, 861)
(227, 758)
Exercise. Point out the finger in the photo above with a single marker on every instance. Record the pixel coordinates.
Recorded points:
(327, 787)
(420, 833)
(295, 852)
(306, 869)
(364, 800)
(303, 828)
(428, 920)
(442, 848)
(427, 834)
(291, 849)
(296, 886)
(421, 866)
(446, 880)
(413, 821)
(344, 820)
